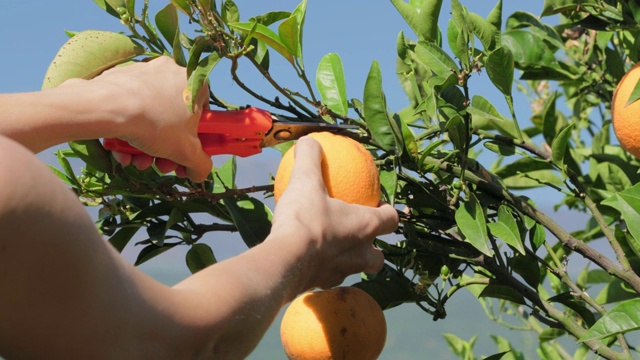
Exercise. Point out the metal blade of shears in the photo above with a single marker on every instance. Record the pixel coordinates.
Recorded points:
(284, 130)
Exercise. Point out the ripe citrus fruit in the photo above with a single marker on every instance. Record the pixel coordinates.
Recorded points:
(348, 170)
(340, 323)
(626, 118)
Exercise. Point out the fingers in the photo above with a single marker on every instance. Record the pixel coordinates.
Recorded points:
(142, 161)
(196, 162)
(375, 261)
(122, 158)
(388, 219)
(166, 165)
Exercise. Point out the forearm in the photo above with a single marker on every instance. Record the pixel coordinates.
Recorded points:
(236, 300)
(39, 120)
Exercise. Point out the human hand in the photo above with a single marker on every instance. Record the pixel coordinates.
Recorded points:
(156, 119)
(336, 237)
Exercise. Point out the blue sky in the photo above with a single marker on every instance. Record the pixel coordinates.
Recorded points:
(360, 31)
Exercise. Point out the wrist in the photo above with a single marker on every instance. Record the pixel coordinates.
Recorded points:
(295, 248)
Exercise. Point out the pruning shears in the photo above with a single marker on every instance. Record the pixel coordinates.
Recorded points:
(243, 132)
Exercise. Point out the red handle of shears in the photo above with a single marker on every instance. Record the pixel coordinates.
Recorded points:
(237, 132)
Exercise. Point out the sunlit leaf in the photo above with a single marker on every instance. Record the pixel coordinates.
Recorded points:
(506, 228)
(552, 7)
(486, 117)
(423, 22)
(168, 24)
(464, 34)
(500, 67)
(627, 202)
(264, 34)
(93, 154)
(230, 12)
(435, 59)
(199, 77)
(623, 318)
(375, 110)
(473, 225)
(485, 31)
(495, 16)
(331, 83)
(559, 146)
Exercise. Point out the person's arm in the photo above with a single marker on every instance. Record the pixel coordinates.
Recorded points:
(66, 293)
(316, 241)
(141, 103)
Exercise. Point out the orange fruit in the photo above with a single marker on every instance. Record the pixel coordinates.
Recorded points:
(626, 118)
(338, 324)
(348, 170)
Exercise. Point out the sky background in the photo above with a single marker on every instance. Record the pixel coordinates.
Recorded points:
(359, 31)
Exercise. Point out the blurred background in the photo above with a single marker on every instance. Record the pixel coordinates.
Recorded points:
(360, 32)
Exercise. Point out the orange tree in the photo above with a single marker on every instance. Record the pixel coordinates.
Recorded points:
(452, 164)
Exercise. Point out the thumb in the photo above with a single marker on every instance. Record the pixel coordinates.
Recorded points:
(197, 162)
(307, 167)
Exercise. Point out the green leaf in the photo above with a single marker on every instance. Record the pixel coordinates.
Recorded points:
(503, 292)
(88, 54)
(331, 84)
(168, 24)
(463, 349)
(623, 318)
(199, 77)
(264, 34)
(550, 334)
(230, 13)
(457, 132)
(151, 251)
(199, 257)
(551, 122)
(388, 288)
(424, 22)
(106, 6)
(252, 217)
(435, 59)
(527, 267)
(486, 32)
(270, 17)
(289, 34)
(93, 154)
(225, 176)
(473, 225)
(552, 7)
(500, 67)
(486, 117)
(537, 236)
(635, 95)
(615, 291)
(122, 237)
(389, 183)
(377, 118)
(495, 16)
(459, 18)
(559, 146)
(183, 5)
(506, 228)
(627, 202)
(500, 148)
